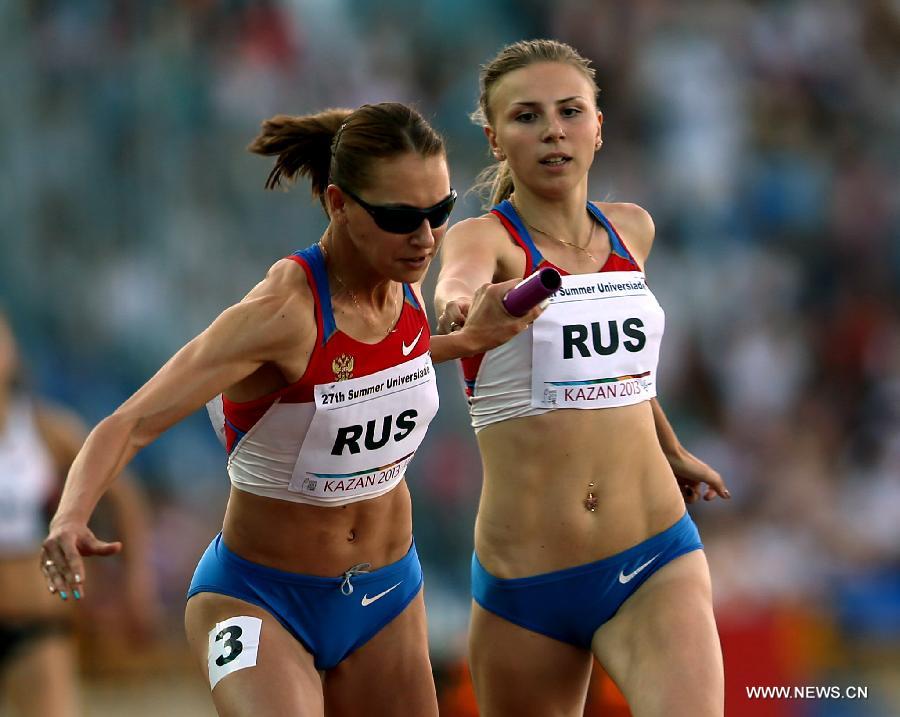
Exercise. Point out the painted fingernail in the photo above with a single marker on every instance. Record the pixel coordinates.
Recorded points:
(51, 588)
(77, 578)
(76, 594)
(64, 596)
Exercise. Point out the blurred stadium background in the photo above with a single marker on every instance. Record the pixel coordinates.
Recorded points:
(758, 133)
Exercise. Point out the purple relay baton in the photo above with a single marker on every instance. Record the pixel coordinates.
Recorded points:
(531, 291)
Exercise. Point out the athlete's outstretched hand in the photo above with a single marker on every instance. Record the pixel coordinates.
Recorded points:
(691, 473)
(62, 553)
(484, 319)
(454, 315)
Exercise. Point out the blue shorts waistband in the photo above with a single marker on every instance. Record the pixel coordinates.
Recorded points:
(648, 545)
(227, 555)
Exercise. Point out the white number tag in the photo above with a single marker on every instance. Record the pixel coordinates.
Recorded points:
(233, 645)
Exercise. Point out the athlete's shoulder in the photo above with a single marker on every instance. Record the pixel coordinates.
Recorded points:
(479, 235)
(634, 224)
(487, 225)
(286, 275)
(275, 313)
(285, 285)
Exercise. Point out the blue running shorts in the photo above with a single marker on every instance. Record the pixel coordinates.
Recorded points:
(570, 604)
(331, 617)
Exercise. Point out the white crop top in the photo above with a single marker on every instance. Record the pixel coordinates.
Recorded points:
(595, 346)
(346, 430)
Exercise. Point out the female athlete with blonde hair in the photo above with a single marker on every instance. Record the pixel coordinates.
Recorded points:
(582, 542)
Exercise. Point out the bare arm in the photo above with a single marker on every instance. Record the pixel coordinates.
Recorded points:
(690, 472)
(636, 227)
(64, 434)
(486, 324)
(260, 329)
(471, 317)
(468, 262)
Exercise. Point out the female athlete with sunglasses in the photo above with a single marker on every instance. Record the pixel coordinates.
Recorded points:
(582, 542)
(321, 384)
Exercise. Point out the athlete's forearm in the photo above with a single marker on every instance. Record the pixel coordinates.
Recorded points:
(664, 432)
(450, 289)
(451, 346)
(106, 452)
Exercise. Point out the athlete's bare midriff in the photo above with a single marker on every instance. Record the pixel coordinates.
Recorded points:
(532, 517)
(316, 540)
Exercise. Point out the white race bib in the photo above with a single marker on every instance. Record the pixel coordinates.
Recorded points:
(597, 343)
(365, 431)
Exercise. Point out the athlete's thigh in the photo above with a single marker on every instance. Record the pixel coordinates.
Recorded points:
(280, 679)
(390, 675)
(42, 678)
(662, 647)
(519, 672)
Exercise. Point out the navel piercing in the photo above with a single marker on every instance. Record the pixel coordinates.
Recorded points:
(591, 501)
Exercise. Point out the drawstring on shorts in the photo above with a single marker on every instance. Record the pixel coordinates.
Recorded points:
(358, 569)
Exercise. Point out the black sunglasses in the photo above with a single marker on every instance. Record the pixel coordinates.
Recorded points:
(403, 219)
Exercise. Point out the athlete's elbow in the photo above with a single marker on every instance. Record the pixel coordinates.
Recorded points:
(442, 295)
(452, 289)
(127, 427)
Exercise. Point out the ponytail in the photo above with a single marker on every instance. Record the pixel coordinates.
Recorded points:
(340, 146)
(303, 146)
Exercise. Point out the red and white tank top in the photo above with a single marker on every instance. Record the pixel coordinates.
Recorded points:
(349, 427)
(595, 346)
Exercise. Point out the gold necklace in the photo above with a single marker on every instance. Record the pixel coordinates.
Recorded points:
(353, 295)
(557, 239)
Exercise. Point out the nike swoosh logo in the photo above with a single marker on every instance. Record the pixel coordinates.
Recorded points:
(623, 578)
(366, 600)
(407, 350)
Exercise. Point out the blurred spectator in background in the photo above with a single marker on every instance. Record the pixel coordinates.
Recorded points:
(38, 442)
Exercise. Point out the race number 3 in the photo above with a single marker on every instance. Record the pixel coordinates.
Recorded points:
(233, 645)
